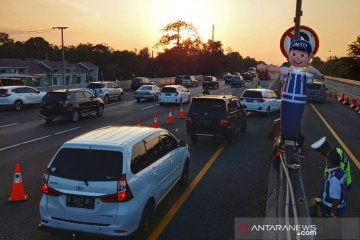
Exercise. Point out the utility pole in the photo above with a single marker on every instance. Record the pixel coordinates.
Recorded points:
(298, 15)
(63, 53)
(213, 32)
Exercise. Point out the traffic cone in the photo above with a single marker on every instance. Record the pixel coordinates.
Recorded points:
(346, 100)
(155, 123)
(170, 119)
(138, 122)
(353, 103)
(341, 97)
(357, 109)
(181, 113)
(17, 191)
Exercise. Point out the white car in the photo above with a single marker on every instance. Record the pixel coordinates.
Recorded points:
(106, 90)
(174, 94)
(260, 100)
(109, 181)
(18, 96)
(148, 92)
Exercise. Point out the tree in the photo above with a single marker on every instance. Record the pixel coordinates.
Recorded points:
(172, 33)
(354, 48)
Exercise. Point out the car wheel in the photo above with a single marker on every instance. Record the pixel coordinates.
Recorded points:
(75, 116)
(18, 105)
(244, 126)
(180, 100)
(154, 98)
(147, 218)
(121, 96)
(49, 120)
(161, 103)
(138, 99)
(189, 99)
(106, 99)
(268, 112)
(100, 110)
(185, 174)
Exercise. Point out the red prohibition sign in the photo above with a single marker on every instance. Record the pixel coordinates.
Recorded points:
(288, 33)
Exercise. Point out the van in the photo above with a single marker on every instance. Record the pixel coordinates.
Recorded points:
(110, 181)
(11, 82)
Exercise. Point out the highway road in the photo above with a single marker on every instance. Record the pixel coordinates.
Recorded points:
(227, 181)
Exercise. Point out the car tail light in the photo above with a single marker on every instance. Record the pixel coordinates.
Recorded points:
(242, 98)
(224, 122)
(123, 194)
(45, 187)
(5, 94)
(261, 100)
(188, 121)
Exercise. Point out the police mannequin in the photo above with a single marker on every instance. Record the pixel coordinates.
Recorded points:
(294, 92)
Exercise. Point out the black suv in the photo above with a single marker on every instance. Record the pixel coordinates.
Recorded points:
(215, 116)
(139, 81)
(210, 81)
(70, 103)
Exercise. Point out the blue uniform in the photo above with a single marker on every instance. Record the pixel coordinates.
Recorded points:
(334, 188)
(293, 101)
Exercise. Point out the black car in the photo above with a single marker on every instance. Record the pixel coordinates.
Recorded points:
(227, 78)
(237, 81)
(210, 82)
(247, 76)
(70, 103)
(139, 81)
(178, 79)
(215, 116)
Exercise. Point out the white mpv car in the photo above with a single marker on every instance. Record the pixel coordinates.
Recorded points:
(174, 94)
(110, 181)
(260, 100)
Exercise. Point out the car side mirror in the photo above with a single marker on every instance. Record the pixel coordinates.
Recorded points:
(182, 143)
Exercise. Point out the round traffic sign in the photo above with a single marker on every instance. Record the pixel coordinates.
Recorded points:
(306, 33)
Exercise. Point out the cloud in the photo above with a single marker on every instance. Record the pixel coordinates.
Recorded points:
(82, 7)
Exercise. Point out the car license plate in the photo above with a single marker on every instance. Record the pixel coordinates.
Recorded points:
(249, 100)
(80, 201)
(168, 94)
(205, 121)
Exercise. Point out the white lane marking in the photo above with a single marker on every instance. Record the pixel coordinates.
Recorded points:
(115, 103)
(71, 129)
(12, 124)
(148, 107)
(32, 140)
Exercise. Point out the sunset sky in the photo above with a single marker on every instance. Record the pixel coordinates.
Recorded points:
(251, 27)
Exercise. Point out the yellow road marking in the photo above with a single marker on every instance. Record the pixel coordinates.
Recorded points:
(171, 213)
(342, 144)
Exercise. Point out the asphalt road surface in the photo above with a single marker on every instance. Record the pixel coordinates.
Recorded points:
(235, 185)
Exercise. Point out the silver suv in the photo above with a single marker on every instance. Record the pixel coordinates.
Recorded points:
(106, 90)
(110, 181)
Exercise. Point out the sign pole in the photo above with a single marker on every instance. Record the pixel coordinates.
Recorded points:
(298, 15)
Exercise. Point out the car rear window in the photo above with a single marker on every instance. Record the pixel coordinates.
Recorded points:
(3, 91)
(207, 79)
(96, 85)
(235, 79)
(137, 80)
(168, 90)
(87, 164)
(213, 106)
(50, 96)
(252, 94)
(315, 86)
(145, 88)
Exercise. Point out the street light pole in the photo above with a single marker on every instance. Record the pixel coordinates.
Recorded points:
(63, 53)
(298, 15)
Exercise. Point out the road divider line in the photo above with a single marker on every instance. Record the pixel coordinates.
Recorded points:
(175, 208)
(71, 129)
(9, 125)
(32, 140)
(148, 107)
(342, 144)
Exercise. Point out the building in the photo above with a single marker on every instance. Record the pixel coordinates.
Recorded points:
(44, 73)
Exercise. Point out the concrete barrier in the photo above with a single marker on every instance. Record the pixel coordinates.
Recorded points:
(343, 80)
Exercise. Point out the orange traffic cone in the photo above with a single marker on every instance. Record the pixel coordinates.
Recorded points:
(170, 119)
(341, 97)
(138, 122)
(346, 100)
(353, 103)
(155, 123)
(181, 113)
(17, 191)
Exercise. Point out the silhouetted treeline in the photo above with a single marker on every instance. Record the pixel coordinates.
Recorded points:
(187, 58)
